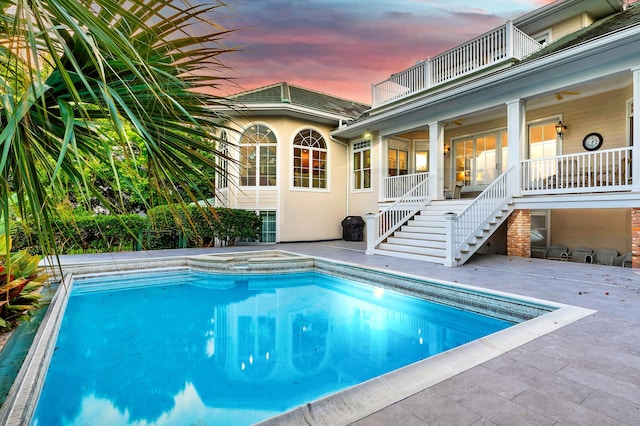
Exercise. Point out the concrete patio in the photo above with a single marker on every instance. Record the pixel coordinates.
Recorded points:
(586, 373)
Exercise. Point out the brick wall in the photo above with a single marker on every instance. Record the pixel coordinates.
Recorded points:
(519, 233)
(635, 237)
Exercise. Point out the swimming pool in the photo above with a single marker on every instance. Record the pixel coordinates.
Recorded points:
(233, 349)
(252, 356)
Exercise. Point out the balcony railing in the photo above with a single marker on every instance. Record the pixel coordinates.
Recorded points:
(396, 186)
(496, 46)
(600, 171)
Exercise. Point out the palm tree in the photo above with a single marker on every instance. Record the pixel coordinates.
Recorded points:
(77, 76)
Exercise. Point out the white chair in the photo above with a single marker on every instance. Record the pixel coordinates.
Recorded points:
(454, 191)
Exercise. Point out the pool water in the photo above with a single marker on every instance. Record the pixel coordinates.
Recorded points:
(196, 348)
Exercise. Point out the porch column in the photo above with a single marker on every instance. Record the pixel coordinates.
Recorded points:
(436, 160)
(516, 136)
(635, 154)
(519, 233)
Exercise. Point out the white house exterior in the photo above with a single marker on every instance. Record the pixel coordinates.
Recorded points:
(283, 163)
(485, 114)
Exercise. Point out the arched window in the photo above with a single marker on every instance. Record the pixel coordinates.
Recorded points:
(309, 160)
(258, 156)
(222, 172)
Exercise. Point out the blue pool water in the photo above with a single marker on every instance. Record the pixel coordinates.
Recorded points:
(199, 348)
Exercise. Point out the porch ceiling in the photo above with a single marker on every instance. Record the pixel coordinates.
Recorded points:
(546, 99)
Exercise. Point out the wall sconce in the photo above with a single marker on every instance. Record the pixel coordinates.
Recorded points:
(446, 149)
(560, 129)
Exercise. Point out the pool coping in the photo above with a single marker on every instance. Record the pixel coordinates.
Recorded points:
(342, 407)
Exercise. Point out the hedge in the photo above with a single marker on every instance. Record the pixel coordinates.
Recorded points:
(165, 227)
(101, 233)
(202, 226)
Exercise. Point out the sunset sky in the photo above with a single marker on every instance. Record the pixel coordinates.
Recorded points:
(342, 47)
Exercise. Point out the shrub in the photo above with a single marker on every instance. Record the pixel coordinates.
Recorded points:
(202, 226)
(88, 233)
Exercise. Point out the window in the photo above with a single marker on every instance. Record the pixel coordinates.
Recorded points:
(422, 161)
(258, 156)
(398, 162)
(362, 165)
(543, 37)
(268, 226)
(309, 160)
(539, 230)
(543, 140)
(222, 173)
(479, 159)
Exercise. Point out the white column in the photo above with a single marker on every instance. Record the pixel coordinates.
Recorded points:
(436, 160)
(382, 147)
(635, 154)
(516, 131)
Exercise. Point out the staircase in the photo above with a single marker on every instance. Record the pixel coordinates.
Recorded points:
(415, 226)
(424, 237)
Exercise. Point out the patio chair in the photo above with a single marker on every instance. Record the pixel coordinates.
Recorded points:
(604, 256)
(454, 191)
(558, 252)
(581, 254)
(623, 260)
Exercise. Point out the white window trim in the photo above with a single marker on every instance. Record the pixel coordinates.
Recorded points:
(292, 186)
(552, 118)
(278, 154)
(352, 165)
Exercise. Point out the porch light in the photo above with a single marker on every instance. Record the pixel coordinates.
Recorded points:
(560, 129)
(446, 149)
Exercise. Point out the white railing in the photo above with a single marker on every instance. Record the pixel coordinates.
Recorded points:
(395, 187)
(496, 46)
(383, 224)
(469, 223)
(404, 83)
(599, 171)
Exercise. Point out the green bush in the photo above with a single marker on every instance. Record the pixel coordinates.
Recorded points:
(101, 233)
(165, 227)
(201, 226)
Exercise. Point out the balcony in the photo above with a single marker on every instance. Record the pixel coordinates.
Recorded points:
(505, 43)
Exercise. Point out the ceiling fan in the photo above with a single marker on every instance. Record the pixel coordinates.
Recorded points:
(565, 92)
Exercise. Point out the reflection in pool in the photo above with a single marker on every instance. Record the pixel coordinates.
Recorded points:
(197, 348)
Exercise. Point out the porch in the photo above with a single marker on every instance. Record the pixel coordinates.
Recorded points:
(583, 180)
(601, 171)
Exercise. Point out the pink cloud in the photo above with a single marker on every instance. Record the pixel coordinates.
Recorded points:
(343, 47)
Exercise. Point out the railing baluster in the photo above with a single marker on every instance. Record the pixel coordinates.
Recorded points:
(599, 171)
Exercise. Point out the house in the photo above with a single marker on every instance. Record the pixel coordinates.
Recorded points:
(532, 124)
(281, 161)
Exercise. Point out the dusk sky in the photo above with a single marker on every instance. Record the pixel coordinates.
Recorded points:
(342, 47)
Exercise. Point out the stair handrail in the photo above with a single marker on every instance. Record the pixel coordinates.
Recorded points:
(469, 222)
(389, 219)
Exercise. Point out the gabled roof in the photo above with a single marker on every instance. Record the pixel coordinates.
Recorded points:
(610, 24)
(285, 96)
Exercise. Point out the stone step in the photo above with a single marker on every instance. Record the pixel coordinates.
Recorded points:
(421, 235)
(423, 251)
(400, 241)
